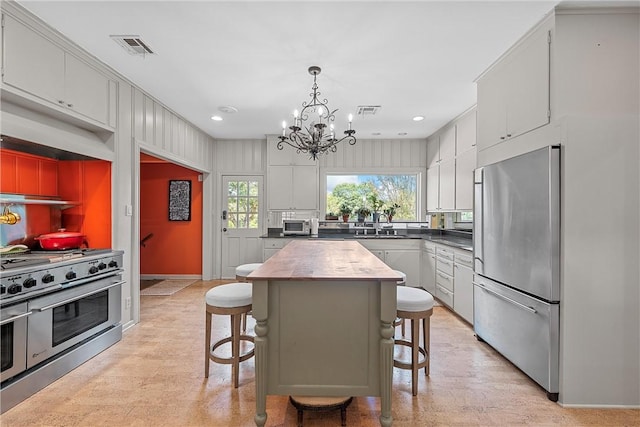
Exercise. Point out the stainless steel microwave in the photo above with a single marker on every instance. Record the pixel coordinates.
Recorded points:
(296, 227)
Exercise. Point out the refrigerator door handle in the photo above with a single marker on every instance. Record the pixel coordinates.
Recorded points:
(509, 300)
(478, 221)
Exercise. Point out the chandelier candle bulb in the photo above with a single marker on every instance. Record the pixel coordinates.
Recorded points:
(350, 120)
(284, 127)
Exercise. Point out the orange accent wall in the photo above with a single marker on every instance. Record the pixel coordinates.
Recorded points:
(176, 246)
(87, 182)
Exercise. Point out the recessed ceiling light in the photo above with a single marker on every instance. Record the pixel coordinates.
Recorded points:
(402, 133)
(216, 118)
(228, 109)
(418, 118)
(375, 133)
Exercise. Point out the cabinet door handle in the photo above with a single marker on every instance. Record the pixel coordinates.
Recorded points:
(508, 135)
(502, 137)
(60, 101)
(443, 276)
(70, 105)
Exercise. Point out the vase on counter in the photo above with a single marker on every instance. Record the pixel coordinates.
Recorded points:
(345, 218)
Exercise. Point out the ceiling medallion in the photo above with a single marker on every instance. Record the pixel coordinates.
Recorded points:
(313, 138)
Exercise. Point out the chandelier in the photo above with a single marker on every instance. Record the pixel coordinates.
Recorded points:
(314, 138)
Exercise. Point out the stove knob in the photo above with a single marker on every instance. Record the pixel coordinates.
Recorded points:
(14, 289)
(29, 283)
(71, 275)
(113, 264)
(102, 266)
(48, 278)
(93, 269)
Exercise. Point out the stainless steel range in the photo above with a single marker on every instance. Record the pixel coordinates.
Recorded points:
(57, 310)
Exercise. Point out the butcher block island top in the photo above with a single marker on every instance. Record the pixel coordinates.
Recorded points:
(324, 314)
(321, 260)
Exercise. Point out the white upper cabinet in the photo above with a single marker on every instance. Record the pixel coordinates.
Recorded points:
(513, 96)
(43, 71)
(292, 188)
(447, 185)
(465, 164)
(292, 178)
(448, 144)
(433, 151)
(433, 188)
(466, 132)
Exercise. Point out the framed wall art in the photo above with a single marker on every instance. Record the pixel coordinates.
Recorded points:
(179, 200)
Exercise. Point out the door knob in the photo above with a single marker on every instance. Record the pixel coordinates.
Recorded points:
(224, 229)
(224, 215)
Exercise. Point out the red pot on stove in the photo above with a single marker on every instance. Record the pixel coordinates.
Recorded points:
(61, 240)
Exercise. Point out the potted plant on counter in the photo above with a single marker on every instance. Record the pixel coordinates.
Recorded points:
(363, 213)
(390, 211)
(376, 205)
(345, 211)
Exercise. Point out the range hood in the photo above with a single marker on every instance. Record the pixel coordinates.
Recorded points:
(17, 144)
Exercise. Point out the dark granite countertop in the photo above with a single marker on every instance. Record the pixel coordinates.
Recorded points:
(457, 239)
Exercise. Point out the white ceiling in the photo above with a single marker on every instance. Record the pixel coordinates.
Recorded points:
(412, 58)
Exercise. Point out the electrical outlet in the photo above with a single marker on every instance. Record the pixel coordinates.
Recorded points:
(127, 303)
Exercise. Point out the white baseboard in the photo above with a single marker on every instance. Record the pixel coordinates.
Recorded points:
(170, 276)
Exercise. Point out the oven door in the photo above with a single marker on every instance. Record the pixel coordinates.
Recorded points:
(65, 318)
(13, 348)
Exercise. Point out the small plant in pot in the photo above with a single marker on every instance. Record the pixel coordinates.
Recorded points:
(390, 211)
(376, 205)
(363, 213)
(345, 211)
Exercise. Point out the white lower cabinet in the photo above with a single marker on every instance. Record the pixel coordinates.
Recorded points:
(463, 273)
(271, 246)
(402, 256)
(452, 274)
(428, 273)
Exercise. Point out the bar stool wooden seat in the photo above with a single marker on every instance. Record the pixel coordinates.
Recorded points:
(415, 304)
(321, 403)
(233, 299)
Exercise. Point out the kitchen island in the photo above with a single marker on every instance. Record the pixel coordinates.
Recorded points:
(324, 312)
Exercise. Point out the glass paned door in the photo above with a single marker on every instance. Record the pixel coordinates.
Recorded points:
(241, 222)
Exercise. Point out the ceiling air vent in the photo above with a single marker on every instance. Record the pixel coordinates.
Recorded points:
(368, 110)
(133, 45)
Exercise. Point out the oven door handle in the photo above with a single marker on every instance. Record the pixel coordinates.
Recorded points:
(14, 318)
(59, 303)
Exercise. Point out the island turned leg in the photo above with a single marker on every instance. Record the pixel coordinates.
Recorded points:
(386, 373)
(260, 349)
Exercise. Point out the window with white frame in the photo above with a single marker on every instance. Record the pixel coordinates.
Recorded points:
(387, 194)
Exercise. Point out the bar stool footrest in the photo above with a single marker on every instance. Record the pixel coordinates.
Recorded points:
(404, 365)
(228, 360)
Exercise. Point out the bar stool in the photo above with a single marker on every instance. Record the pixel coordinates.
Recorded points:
(402, 282)
(242, 271)
(415, 304)
(233, 299)
(318, 403)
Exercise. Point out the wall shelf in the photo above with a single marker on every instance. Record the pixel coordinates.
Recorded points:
(60, 204)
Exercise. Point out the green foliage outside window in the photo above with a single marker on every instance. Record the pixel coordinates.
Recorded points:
(376, 192)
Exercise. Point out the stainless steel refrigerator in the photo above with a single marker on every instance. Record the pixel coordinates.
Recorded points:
(516, 250)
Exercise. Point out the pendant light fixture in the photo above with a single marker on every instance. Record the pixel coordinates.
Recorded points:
(313, 131)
